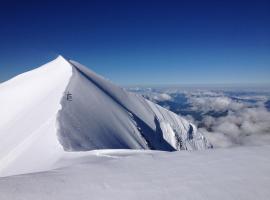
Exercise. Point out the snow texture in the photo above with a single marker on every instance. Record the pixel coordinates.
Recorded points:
(236, 173)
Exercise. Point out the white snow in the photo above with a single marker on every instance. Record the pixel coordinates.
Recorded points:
(237, 173)
(103, 115)
(38, 126)
(45, 141)
(29, 105)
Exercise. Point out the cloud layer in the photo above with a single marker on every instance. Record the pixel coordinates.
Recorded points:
(227, 119)
(247, 126)
(245, 123)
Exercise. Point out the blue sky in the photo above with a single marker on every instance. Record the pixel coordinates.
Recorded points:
(141, 42)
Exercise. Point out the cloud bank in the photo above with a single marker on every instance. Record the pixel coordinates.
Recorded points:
(245, 123)
(226, 118)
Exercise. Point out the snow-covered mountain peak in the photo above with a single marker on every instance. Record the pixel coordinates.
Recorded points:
(60, 57)
(63, 106)
(59, 61)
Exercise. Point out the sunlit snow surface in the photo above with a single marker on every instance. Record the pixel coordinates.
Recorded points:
(46, 140)
(39, 124)
(236, 173)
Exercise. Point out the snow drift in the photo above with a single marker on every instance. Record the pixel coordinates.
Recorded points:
(37, 118)
(223, 174)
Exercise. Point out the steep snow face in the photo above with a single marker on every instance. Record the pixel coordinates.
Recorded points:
(102, 115)
(39, 125)
(29, 105)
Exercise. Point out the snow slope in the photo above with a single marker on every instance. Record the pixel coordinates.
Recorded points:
(29, 106)
(237, 173)
(106, 116)
(36, 119)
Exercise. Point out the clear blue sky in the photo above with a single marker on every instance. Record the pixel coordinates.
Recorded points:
(141, 42)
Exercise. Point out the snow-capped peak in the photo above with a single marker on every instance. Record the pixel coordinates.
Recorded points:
(63, 106)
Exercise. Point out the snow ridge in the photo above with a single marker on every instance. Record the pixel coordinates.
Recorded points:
(37, 119)
(124, 119)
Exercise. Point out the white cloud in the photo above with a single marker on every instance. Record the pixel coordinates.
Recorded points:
(218, 140)
(220, 103)
(242, 127)
(163, 97)
(158, 97)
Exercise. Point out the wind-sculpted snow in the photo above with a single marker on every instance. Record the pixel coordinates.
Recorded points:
(222, 174)
(39, 124)
(29, 105)
(102, 115)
